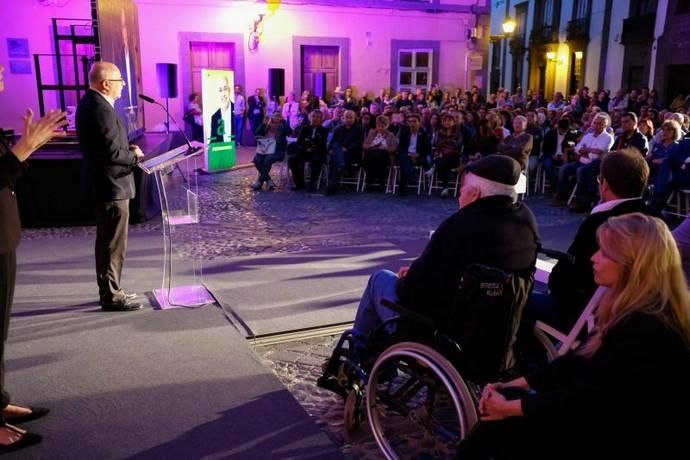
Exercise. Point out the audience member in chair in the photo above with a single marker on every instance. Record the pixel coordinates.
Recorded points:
(590, 151)
(345, 149)
(619, 394)
(559, 145)
(490, 228)
(414, 150)
(271, 144)
(379, 149)
(519, 144)
(622, 182)
(311, 147)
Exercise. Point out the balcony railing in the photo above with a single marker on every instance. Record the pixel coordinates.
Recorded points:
(578, 29)
(543, 34)
(638, 29)
(517, 44)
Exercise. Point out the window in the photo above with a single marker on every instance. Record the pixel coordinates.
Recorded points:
(544, 13)
(414, 68)
(642, 7)
(683, 7)
(581, 9)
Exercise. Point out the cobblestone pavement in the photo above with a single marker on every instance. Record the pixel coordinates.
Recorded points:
(237, 221)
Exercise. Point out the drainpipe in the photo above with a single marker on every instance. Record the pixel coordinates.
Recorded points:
(604, 44)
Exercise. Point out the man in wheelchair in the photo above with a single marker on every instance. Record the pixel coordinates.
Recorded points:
(490, 230)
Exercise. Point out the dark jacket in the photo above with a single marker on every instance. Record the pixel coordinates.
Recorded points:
(592, 407)
(551, 139)
(516, 147)
(255, 104)
(313, 147)
(351, 139)
(281, 138)
(104, 144)
(423, 142)
(492, 231)
(218, 128)
(572, 284)
(10, 168)
(637, 140)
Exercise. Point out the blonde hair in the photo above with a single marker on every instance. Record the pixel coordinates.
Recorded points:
(651, 277)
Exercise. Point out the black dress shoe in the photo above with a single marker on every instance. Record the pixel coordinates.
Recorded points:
(36, 412)
(121, 306)
(27, 439)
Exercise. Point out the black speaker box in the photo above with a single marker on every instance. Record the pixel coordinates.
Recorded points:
(276, 82)
(167, 79)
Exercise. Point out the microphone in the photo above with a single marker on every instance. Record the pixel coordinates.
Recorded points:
(192, 150)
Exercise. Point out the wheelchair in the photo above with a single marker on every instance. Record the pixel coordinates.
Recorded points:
(420, 386)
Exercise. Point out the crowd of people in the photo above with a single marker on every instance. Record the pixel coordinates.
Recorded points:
(563, 139)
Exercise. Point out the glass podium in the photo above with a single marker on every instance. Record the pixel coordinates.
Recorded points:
(175, 172)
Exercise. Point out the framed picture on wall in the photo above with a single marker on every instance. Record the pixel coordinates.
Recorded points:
(18, 48)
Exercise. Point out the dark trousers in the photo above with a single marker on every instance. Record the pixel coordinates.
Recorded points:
(8, 272)
(444, 165)
(375, 162)
(263, 164)
(112, 219)
(296, 164)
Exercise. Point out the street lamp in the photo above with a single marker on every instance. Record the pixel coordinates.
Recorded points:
(508, 28)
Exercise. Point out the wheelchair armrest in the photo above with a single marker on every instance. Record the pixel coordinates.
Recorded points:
(407, 313)
(558, 255)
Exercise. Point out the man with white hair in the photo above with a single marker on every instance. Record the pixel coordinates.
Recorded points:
(490, 228)
(110, 161)
(590, 150)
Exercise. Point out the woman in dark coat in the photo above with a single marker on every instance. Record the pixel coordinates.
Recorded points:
(36, 133)
(620, 394)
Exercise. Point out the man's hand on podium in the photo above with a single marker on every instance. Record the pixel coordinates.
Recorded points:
(136, 151)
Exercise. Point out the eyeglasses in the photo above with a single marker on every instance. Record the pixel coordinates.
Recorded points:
(599, 178)
(116, 79)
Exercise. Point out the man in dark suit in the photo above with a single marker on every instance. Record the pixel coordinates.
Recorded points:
(622, 182)
(110, 160)
(557, 148)
(414, 149)
(36, 133)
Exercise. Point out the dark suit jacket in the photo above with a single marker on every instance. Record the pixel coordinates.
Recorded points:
(217, 127)
(104, 144)
(551, 138)
(637, 140)
(572, 284)
(10, 167)
(313, 148)
(423, 142)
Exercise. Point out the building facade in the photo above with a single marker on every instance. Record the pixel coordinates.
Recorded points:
(563, 45)
(365, 44)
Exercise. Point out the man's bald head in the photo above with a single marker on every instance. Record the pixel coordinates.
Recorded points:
(105, 77)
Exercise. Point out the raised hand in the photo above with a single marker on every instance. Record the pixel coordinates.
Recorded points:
(37, 133)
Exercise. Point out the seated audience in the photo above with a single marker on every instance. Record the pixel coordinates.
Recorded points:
(519, 144)
(311, 147)
(620, 393)
(345, 149)
(670, 136)
(271, 144)
(379, 148)
(622, 181)
(490, 228)
(591, 148)
(414, 149)
(559, 145)
(674, 173)
(447, 151)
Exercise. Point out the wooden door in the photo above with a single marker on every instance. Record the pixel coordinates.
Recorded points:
(209, 55)
(324, 59)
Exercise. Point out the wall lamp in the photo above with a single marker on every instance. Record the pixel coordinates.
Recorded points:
(256, 29)
(551, 56)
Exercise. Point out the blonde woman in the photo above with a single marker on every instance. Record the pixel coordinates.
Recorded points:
(618, 395)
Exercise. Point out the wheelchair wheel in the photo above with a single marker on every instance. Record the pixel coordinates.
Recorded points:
(417, 404)
(352, 412)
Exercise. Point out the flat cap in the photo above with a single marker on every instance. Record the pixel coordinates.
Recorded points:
(497, 168)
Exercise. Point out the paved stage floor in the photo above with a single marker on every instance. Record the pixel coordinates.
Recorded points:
(185, 383)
